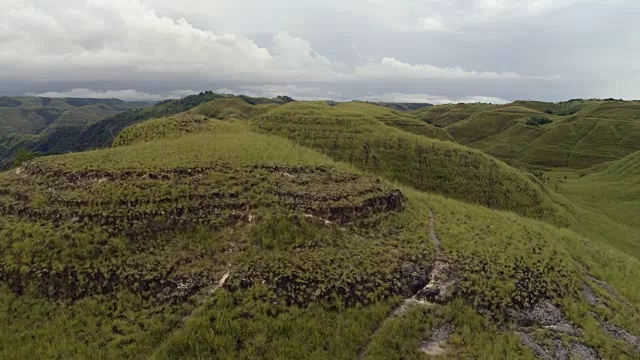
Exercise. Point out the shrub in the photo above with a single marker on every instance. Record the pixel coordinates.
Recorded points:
(538, 120)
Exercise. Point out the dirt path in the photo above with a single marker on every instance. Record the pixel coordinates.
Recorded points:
(437, 288)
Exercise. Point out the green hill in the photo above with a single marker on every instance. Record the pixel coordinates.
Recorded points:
(352, 133)
(79, 131)
(444, 115)
(32, 115)
(576, 134)
(49, 125)
(295, 230)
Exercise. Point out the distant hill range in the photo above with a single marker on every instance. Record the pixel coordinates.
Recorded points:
(575, 134)
(403, 106)
(34, 126)
(45, 125)
(37, 115)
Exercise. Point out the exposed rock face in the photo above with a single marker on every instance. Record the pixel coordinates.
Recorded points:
(589, 295)
(544, 314)
(559, 350)
(548, 321)
(622, 335)
(441, 284)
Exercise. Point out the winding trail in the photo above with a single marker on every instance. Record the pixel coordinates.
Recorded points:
(416, 299)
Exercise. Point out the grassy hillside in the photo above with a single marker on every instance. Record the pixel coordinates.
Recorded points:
(427, 164)
(577, 134)
(80, 131)
(397, 119)
(242, 231)
(609, 199)
(444, 115)
(47, 125)
(234, 107)
(32, 115)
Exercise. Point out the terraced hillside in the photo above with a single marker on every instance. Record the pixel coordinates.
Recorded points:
(353, 134)
(579, 134)
(444, 115)
(237, 238)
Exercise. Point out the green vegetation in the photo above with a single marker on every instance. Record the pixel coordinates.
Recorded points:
(397, 119)
(32, 115)
(242, 228)
(87, 124)
(44, 125)
(445, 115)
(538, 120)
(23, 156)
(582, 133)
(349, 133)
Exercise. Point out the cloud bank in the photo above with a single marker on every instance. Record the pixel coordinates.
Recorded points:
(454, 49)
(126, 95)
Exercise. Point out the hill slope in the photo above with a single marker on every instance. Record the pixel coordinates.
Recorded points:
(200, 238)
(426, 164)
(83, 134)
(580, 133)
(33, 115)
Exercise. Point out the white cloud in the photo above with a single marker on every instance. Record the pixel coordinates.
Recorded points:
(313, 93)
(438, 15)
(390, 68)
(301, 93)
(430, 23)
(127, 95)
(432, 99)
(119, 40)
(114, 40)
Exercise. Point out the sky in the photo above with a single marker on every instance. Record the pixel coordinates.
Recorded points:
(435, 51)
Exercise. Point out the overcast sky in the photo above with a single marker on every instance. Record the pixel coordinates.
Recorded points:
(399, 50)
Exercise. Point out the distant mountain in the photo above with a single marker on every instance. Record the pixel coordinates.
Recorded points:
(35, 115)
(35, 124)
(403, 106)
(41, 126)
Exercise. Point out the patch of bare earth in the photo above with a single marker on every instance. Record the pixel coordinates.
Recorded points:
(436, 344)
(548, 343)
(614, 331)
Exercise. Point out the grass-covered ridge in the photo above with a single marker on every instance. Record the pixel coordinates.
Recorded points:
(32, 115)
(397, 119)
(88, 126)
(577, 134)
(426, 164)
